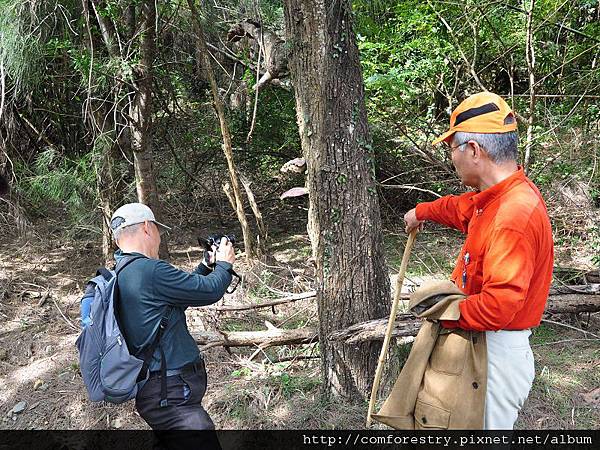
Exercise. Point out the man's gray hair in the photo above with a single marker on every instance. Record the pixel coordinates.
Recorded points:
(131, 229)
(501, 147)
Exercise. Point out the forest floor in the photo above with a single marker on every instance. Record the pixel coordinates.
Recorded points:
(41, 280)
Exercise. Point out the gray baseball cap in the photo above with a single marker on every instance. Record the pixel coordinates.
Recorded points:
(133, 213)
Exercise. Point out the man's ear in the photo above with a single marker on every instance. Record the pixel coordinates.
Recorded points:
(475, 150)
(147, 227)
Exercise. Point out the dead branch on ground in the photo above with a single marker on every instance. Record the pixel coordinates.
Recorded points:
(281, 301)
(405, 326)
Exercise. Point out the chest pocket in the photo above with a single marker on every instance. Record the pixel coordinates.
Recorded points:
(450, 352)
(474, 277)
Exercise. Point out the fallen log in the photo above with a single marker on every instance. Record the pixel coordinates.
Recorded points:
(574, 275)
(593, 276)
(266, 338)
(572, 303)
(405, 326)
(374, 330)
(408, 325)
(588, 289)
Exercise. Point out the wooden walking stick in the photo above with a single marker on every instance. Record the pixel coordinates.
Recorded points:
(390, 326)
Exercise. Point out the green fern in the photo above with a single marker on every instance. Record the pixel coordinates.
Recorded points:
(54, 180)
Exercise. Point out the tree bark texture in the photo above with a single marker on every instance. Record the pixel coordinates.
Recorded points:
(141, 118)
(344, 222)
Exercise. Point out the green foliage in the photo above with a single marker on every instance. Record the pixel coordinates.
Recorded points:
(291, 384)
(275, 138)
(402, 55)
(55, 181)
(242, 372)
(261, 291)
(20, 41)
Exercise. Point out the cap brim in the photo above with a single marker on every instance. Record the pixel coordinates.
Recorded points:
(443, 137)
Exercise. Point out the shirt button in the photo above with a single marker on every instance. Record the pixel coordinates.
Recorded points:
(475, 385)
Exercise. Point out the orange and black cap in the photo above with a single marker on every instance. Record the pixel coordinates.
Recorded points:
(484, 112)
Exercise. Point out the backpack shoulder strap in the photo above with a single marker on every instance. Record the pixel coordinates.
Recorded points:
(105, 273)
(121, 264)
(148, 352)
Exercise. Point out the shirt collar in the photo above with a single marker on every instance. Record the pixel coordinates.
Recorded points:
(485, 197)
(119, 254)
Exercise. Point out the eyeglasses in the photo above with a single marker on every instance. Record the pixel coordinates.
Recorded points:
(452, 147)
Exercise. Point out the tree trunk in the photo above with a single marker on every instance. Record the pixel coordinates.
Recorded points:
(106, 191)
(261, 238)
(141, 118)
(344, 221)
(107, 29)
(99, 117)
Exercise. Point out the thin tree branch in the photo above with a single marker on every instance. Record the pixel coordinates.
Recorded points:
(556, 24)
(409, 188)
(571, 327)
(458, 46)
(530, 57)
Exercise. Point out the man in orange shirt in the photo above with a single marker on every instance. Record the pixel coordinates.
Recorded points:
(505, 265)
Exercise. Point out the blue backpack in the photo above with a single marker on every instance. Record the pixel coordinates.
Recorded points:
(109, 371)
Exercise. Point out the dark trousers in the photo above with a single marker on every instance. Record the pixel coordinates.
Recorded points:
(178, 424)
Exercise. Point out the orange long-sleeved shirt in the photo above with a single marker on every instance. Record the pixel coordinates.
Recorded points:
(505, 265)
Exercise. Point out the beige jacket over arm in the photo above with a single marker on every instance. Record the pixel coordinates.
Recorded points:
(443, 382)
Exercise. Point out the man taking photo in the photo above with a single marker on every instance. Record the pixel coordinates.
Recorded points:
(505, 265)
(154, 295)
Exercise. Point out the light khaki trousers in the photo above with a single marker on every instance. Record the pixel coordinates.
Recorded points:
(510, 376)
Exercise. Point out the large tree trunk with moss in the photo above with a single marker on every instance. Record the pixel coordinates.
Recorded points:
(344, 219)
(141, 118)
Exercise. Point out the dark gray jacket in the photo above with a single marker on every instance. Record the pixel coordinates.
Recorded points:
(148, 286)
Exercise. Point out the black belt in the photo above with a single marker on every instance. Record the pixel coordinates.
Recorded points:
(187, 369)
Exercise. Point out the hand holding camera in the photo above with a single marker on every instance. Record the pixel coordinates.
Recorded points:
(218, 247)
(225, 251)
